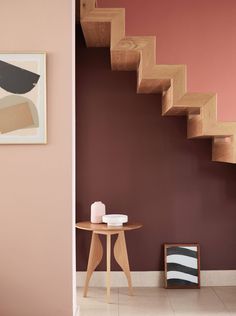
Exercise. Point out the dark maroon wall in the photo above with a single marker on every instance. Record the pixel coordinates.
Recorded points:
(142, 164)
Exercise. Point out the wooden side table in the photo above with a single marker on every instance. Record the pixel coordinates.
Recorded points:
(96, 250)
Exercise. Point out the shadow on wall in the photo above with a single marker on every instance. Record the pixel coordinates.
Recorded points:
(140, 163)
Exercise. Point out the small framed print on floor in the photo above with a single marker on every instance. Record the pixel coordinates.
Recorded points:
(182, 266)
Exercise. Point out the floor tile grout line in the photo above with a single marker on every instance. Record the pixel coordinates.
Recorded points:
(169, 300)
(118, 301)
(222, 301)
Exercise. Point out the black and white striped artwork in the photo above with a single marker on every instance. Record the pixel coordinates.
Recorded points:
(182, 266)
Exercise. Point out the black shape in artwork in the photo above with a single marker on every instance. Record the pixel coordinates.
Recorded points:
(178, 282)
(181, 251)
(15, 79)
(181, 268)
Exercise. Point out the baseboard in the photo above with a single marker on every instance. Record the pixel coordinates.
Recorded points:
(155, 278)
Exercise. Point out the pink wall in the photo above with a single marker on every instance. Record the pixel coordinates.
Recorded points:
(198, 33)
(36, 180)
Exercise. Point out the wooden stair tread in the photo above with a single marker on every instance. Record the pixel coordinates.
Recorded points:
(195, 99)
(104, 27)
(102, 16)
(164, 71)
(135, 42)
(191, 103)
(166, 76)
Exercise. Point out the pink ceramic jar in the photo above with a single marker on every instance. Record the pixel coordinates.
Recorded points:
(98, 209)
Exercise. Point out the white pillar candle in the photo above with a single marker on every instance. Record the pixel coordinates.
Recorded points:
(98, 209)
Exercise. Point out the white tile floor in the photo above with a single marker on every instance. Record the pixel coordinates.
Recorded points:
(210, 301)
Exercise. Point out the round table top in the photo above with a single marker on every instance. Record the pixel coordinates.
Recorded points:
(103, 227)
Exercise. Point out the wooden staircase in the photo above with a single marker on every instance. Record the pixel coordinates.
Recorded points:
(106, 28)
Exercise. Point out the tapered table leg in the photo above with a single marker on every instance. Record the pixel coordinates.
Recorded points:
(121, 256)
(108, 266)
(95, 257)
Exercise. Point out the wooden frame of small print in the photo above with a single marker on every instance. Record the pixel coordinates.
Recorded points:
(23, 98)
(182, 266)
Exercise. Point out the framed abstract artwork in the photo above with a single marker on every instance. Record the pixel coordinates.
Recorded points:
(182, 265)
(23, 98)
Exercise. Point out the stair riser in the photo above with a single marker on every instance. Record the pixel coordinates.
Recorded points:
(97, 34)
(125, 61)
(223, 150)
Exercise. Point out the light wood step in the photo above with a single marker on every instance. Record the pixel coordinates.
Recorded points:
(169, 79)
(224, 149)
(98, 25)
(130, 51)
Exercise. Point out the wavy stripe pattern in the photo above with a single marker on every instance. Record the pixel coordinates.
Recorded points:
(182, 251)
(184, 260)
(181, 276)
(182, 266)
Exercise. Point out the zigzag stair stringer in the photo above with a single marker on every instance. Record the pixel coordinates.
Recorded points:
(106, 28)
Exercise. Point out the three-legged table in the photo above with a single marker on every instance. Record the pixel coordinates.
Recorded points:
(96, 250)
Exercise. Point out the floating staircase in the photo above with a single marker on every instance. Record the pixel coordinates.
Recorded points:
(106, 28)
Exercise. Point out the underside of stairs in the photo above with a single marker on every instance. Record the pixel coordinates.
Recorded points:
(106, 28)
